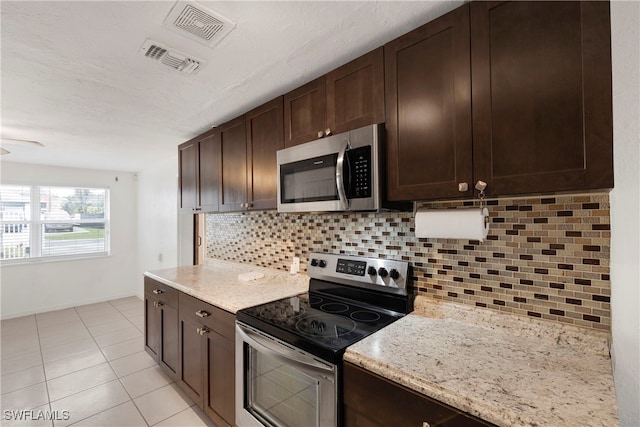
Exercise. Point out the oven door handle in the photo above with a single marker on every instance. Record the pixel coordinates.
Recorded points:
(340, 182)
(266, 345)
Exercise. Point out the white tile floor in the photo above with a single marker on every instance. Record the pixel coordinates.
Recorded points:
(90, 362)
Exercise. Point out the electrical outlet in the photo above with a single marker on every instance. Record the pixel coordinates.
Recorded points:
(295, 265)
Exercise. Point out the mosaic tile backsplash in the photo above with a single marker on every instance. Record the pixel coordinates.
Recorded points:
(545, 257)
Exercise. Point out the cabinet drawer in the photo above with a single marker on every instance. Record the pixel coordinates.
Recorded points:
(208, 315)
(161, 292)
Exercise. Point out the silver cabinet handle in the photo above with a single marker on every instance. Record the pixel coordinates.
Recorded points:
(463, 186)
(320, 134)
(157, 304)
(158, 291)
(327, 132)
(202, 331)
(202, 313)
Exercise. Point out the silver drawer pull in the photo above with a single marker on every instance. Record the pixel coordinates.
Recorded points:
(202, 313)
(202, 331)
(157, 304)
(158, 291)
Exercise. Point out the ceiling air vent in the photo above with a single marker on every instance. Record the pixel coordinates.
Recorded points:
(171, 57)
(195, 21)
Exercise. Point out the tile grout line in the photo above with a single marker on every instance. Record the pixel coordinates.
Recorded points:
(122, 384)
(44, 373)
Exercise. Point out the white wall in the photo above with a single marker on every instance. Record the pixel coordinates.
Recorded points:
(157, 216)
(625, 210)
(42, 286)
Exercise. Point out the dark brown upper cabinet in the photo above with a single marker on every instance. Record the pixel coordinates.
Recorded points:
(265, 136)
(347, 98)
(305, 113)
(522, 87)
(542, 108)
(355, 93)
(248, 146)
(232, 139)
(199, 174)
(428, 103)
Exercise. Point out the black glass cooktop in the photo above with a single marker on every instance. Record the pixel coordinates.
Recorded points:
(318, 323)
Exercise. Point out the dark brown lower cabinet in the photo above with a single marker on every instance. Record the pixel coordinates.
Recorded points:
(373, 401)
(207, 358)
(161, 325)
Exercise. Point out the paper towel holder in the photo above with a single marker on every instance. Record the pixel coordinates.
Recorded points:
(480, 186)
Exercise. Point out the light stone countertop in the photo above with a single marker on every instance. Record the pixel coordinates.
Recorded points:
(217, 283)
(502, 368)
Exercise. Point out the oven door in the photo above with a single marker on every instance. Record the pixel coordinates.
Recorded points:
(278, 385)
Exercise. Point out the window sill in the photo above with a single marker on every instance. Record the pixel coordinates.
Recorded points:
(28, 261)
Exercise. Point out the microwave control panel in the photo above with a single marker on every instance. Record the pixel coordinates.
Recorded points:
(360, 164)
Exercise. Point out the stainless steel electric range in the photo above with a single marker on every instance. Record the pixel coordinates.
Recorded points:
(289, 352)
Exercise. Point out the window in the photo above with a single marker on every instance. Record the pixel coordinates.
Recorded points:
(52, 222)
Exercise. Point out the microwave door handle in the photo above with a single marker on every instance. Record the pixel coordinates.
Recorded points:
(340, 181)
(267, 346)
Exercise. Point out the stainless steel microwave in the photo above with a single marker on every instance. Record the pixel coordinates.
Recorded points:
(337, 173)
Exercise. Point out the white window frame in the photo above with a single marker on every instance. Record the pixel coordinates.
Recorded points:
(36, 224)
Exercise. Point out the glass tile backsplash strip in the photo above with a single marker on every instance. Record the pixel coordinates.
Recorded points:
(545, 257)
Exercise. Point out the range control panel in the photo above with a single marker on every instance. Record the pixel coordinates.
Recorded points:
(377, 273)
(347, 266)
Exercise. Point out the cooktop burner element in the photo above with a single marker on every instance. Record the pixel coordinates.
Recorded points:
(365, 316)
(334, 307)
(348, 299)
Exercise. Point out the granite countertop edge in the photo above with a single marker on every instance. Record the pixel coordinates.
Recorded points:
(217, 282)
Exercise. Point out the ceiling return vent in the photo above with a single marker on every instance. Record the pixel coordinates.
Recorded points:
(195, 21)
(171, 57)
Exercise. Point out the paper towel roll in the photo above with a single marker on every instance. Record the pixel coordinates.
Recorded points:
(463, 223)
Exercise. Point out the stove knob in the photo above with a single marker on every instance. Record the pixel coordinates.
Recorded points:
(321, 326)
(314, 324)
(314, 262)
(394, 274)
(382, 272)
(322, 263)
(372, 271)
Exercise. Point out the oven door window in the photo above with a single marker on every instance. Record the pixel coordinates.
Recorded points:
(311, 180)
(278, 394)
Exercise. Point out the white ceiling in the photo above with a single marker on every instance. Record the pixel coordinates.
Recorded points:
(72, 77)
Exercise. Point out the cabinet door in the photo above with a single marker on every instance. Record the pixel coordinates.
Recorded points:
(209, 173)
(188, 176)
(191, 372)
(355, 93)
(305, 113)
(233, 163)
(265, 136)
(152, 330)
(168, 357)
(373, 401)
(428, 110)
(542, 118)
(220, 396)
